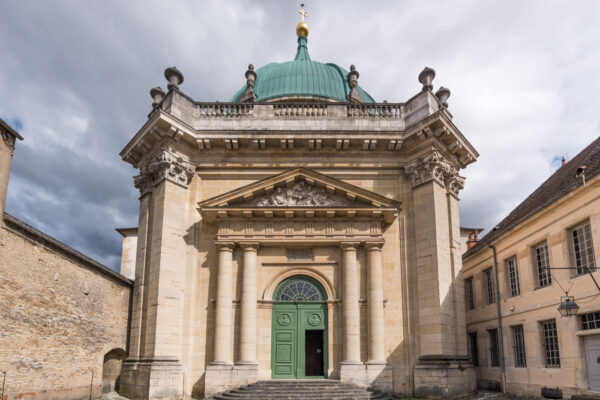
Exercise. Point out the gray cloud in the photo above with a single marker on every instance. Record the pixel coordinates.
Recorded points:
(75, 75)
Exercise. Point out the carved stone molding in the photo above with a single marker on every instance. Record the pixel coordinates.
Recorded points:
(164, 166)
(9, 140)
(434, 167)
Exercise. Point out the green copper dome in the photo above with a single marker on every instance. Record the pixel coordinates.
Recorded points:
(302, 77)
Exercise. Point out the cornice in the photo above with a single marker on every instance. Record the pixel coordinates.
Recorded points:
(298, 129)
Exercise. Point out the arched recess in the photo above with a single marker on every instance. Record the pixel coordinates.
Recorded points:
(111, 370)
(316, 275)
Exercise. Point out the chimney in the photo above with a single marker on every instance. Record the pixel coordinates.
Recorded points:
(564, 161)
(7, 149)
(473, 239)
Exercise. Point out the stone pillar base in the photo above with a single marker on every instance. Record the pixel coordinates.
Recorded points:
(222, 377)
(152, 378)
(375, 375)
(444, 377)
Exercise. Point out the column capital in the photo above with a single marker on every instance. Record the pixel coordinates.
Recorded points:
(347, 246)
(165, 166)
(455, 184)
(249, 245)
(431, 167)
(225, 246)
(374, 246)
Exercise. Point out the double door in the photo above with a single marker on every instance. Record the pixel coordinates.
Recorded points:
(299, 340)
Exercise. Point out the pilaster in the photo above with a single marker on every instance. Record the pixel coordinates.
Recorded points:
(443, 368)
(376, 345)
(153, 369)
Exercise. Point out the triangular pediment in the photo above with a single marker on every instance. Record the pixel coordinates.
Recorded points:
(300, 187)
(299, 192)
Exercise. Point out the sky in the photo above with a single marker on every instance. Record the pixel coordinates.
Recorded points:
(75, 79)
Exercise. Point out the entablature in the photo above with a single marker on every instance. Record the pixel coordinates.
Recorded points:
(300, 230)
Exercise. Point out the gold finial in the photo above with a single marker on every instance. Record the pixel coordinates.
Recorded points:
(302, 27)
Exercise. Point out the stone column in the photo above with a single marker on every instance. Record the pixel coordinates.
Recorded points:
(376, 352)
(248, 305)
(351, 314)
(223, 351)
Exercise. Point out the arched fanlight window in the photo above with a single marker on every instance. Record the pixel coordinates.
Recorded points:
(300, 288)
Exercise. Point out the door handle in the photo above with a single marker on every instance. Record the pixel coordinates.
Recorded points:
(319, 350)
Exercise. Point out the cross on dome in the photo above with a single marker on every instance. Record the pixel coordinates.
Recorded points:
(302, 12)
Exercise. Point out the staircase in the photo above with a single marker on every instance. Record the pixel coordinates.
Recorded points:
(301, 389)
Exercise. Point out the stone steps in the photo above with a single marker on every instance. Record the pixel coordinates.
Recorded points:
(301, 389)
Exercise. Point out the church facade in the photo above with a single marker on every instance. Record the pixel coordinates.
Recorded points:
(301, 230)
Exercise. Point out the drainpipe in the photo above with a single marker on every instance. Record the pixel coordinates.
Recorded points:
(500, 334)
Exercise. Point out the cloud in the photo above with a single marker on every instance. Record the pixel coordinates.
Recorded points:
(75, 78)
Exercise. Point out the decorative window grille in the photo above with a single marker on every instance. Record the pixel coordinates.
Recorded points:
(494, 349)
(581, 248)
(300, 289)
(469, 294)
(513, 276)
(590, 321)
(519, 346)
(551, 343)
(540, 255)
(473, 348)
(489, 284)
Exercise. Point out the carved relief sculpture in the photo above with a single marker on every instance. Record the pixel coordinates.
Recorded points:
(300, 194)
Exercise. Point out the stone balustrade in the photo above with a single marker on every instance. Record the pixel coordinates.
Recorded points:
(188, 110)
(376, 110)
(300, 110)
(222, 110)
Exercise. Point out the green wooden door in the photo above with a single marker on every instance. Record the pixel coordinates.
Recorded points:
(284, 343)
(299, 307)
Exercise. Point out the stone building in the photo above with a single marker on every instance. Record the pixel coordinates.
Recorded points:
(301, 230)
(557, 226)
(63, 316)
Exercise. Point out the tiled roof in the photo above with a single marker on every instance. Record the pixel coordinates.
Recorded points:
(562, 182)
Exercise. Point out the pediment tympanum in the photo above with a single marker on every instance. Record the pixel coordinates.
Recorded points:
(300, 193)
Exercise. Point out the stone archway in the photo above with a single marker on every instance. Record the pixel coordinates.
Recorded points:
(111, 370)
(299, 329)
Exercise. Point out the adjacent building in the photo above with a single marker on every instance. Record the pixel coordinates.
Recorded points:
(544, 249)
(63, 316)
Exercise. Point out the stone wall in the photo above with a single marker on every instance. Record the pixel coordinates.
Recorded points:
(60, 314)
